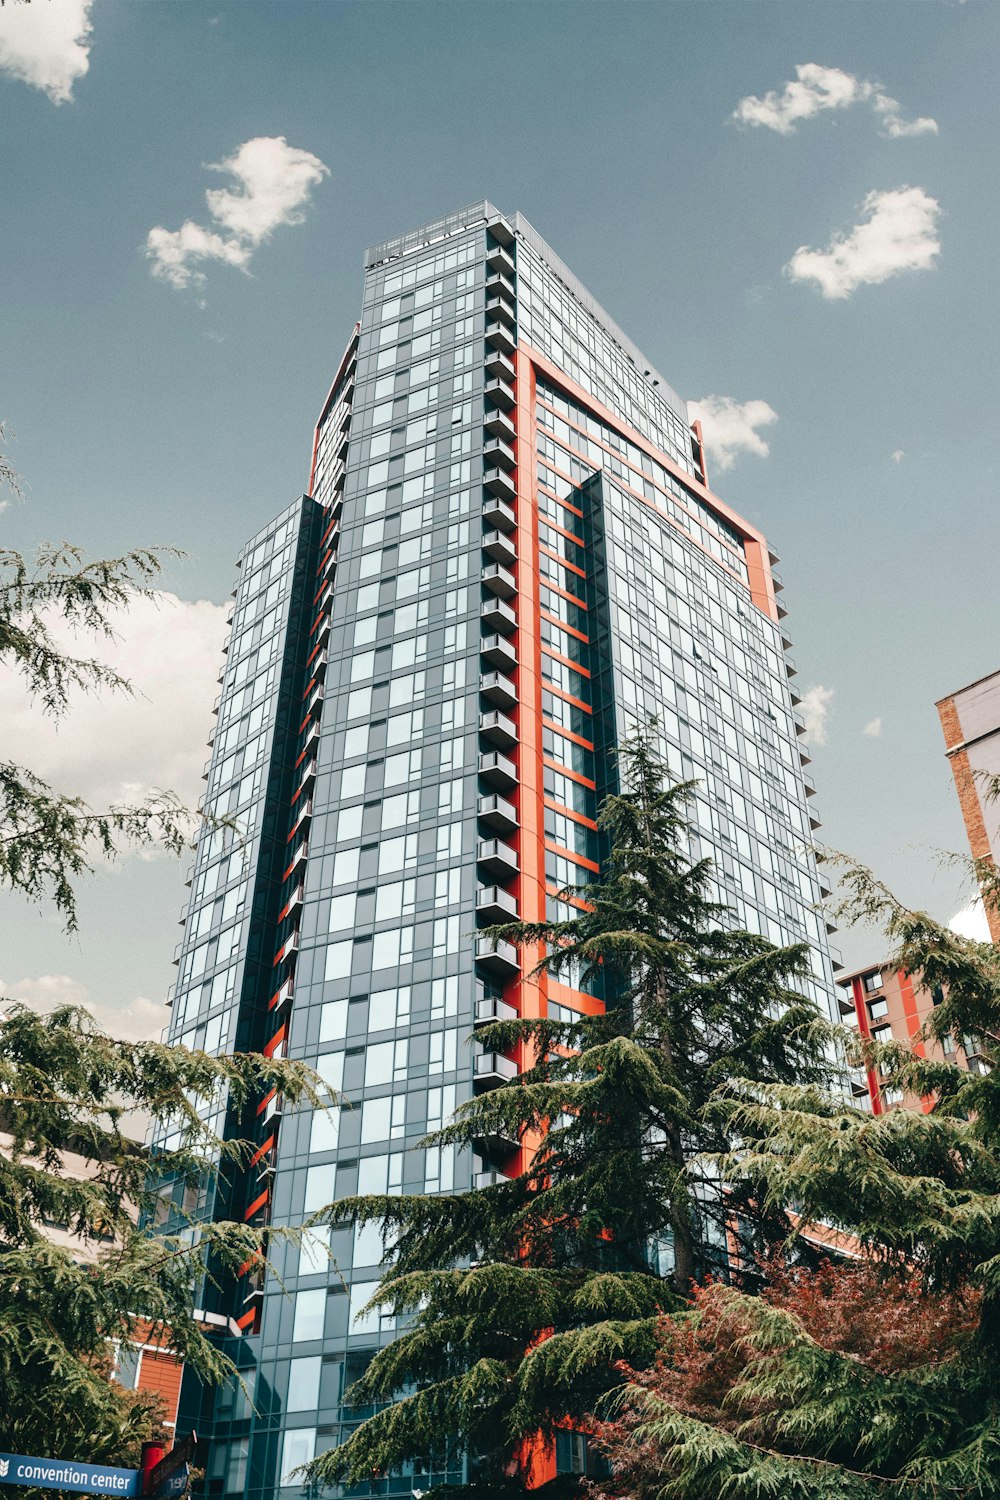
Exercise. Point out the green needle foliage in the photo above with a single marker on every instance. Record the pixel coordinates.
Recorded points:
(517, 1300)
(48, 838)
(66, 1087)
(794, 1411)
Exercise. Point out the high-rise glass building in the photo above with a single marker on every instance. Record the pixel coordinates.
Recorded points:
(510, 555)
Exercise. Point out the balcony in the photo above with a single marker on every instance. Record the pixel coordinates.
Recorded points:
(498, 424)
(499, 366)
(499, 958)
(288, 949)
(500, 393)
(292, 904)
(496, 860)
(497, 512)
(315, 698)
(499, 483)
(497, 814)
(810, 785)
(497, 452)
(498, 770)
(500, 310)
(500, 337)
(498, 689)
(836, 959)
(498, 616)
(497, 651)
(498, 729)
(499, 260)
(494, 904)
(282, 996)
(317, 667)
(492, 1068)
(845, 1000)
(814, 821)
(492, 1010)
(499, 580)
(308, 777)
(275, 1109)
(791, 669)
(488, 1178)
(499, 285)
(302, 821)
(498, 1143)
(500, 548)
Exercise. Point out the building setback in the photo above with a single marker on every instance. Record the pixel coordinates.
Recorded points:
(510, 556)
(970, 719)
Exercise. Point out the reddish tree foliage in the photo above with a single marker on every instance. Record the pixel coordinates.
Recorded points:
(709, 1357)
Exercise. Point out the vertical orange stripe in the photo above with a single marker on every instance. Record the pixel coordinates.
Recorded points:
(531, 844)
(864, 1027)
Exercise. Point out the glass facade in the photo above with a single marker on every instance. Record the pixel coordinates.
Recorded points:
(510, 556)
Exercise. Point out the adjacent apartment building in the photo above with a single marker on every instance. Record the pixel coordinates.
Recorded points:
(509, 556)
(970, 720)
(890, 1005)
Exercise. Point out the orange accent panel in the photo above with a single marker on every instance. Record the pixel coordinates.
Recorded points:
(871, 1076)
(567, 734)
(257, 1203)
(266, 1101)
(261, 1151)
(567, 661)
(531, 998)
(556, 765)
(276, 1041)
(558, 692)
(571, 855)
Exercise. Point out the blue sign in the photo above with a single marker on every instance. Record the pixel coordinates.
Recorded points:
(67, 1474)
(176, 1484)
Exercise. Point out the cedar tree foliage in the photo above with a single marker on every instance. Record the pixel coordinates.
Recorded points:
(49, 838)
(785, 1396)
(67, 1087)
(516, 1300)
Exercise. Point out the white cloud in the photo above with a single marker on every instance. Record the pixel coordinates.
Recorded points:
(899, 233)
(897, 455)
(730, 427)
(816, 89)
(971, 922)
(141, 1020)
(815, 711)
(894, 125)
(46, 44)
(273, 186)
(873, 729)
(112, 747)
(175, 253)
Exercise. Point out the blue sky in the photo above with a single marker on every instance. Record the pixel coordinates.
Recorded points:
(145, 411)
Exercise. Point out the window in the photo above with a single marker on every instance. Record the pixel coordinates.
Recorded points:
(303, 1383)
(385, 1062)
(298, 1448)
(383, 1119)
(309, 1316)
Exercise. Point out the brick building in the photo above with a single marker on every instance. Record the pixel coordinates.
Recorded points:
(891, 1006)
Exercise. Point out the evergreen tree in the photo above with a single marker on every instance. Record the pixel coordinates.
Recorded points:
(516, 1300)
(798, 1409)
(67, 1087)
